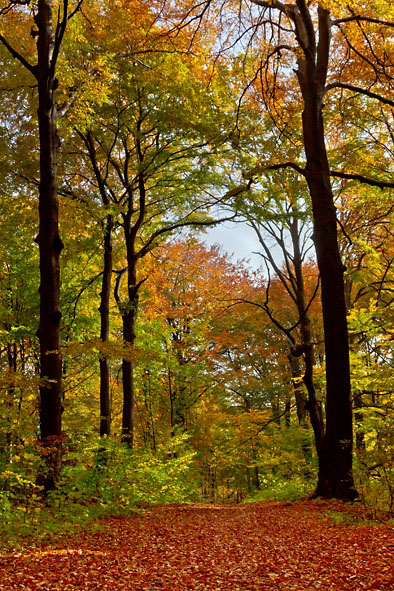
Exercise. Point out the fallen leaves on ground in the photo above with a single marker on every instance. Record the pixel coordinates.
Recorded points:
(255, 547)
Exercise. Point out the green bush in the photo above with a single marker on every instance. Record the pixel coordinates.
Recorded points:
(278, 489)
(99, 478)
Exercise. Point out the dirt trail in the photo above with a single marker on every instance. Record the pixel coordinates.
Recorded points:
(259, 547)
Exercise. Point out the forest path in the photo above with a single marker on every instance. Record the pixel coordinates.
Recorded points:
(253, 547)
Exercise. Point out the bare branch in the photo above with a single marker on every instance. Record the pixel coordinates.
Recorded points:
(359, 90)
(367, 19)
(285, 8)
(362, 179)
(260, 168)
(18, 56)
(13, 3)
(76, 9)
(181, 224)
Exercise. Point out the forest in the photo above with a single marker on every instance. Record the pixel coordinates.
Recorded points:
(140, 366)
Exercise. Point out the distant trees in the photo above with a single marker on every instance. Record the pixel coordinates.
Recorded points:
(283, 229)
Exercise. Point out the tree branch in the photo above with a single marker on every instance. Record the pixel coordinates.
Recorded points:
(13, 3)
(32, 69)
(285, 8)
(76, 9)
(145, 249)
(359, 90)
(263, 168)
(367, 19)
(362, 179)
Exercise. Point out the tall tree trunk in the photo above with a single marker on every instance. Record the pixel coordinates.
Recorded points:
(50, 246)
(128, 319)
(274, 402)
(287, 411)
(129, 310)
(172, 403)
(335, 459)
(105, 398)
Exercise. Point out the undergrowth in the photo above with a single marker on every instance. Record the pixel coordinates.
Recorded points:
(97, 481)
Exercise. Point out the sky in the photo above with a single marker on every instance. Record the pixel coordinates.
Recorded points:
(238, 240)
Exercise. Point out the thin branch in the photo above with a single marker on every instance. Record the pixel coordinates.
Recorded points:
(76, 9)
(344, 232)
(285, 8)
(264, 168)
(362, 179)
(383, 280)
(79, 295)
(264, 425)
(145, 249)
(11, 5)
(19, 56)
(367, 19)
(360, 90)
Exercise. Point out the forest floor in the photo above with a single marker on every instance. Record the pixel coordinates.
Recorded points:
(252, 547)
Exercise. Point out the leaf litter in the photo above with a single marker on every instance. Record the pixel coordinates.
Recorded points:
(253, 547)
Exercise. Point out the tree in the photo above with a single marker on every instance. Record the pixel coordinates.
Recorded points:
(283, 223)
(153, 161)
(296, 37)
(49, 42)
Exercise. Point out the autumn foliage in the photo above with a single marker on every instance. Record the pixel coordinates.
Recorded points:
(140, 366)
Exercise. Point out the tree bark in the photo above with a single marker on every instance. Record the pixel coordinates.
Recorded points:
(335, 459)
(50, 246)
(105, 398)
(128, 319)
(129, 310)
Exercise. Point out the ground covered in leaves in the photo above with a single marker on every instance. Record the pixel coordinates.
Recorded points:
(255, 547)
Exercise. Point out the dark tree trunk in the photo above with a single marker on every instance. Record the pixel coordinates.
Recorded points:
(12, 355)
(128, 319)
(129, 309)
(335, 459)
(172, 403)
(299, 394)
(301, 405)
(50, 246)
(150, 423)
(256, 478)
(275, 409)
(105, 398)
(294, 285)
